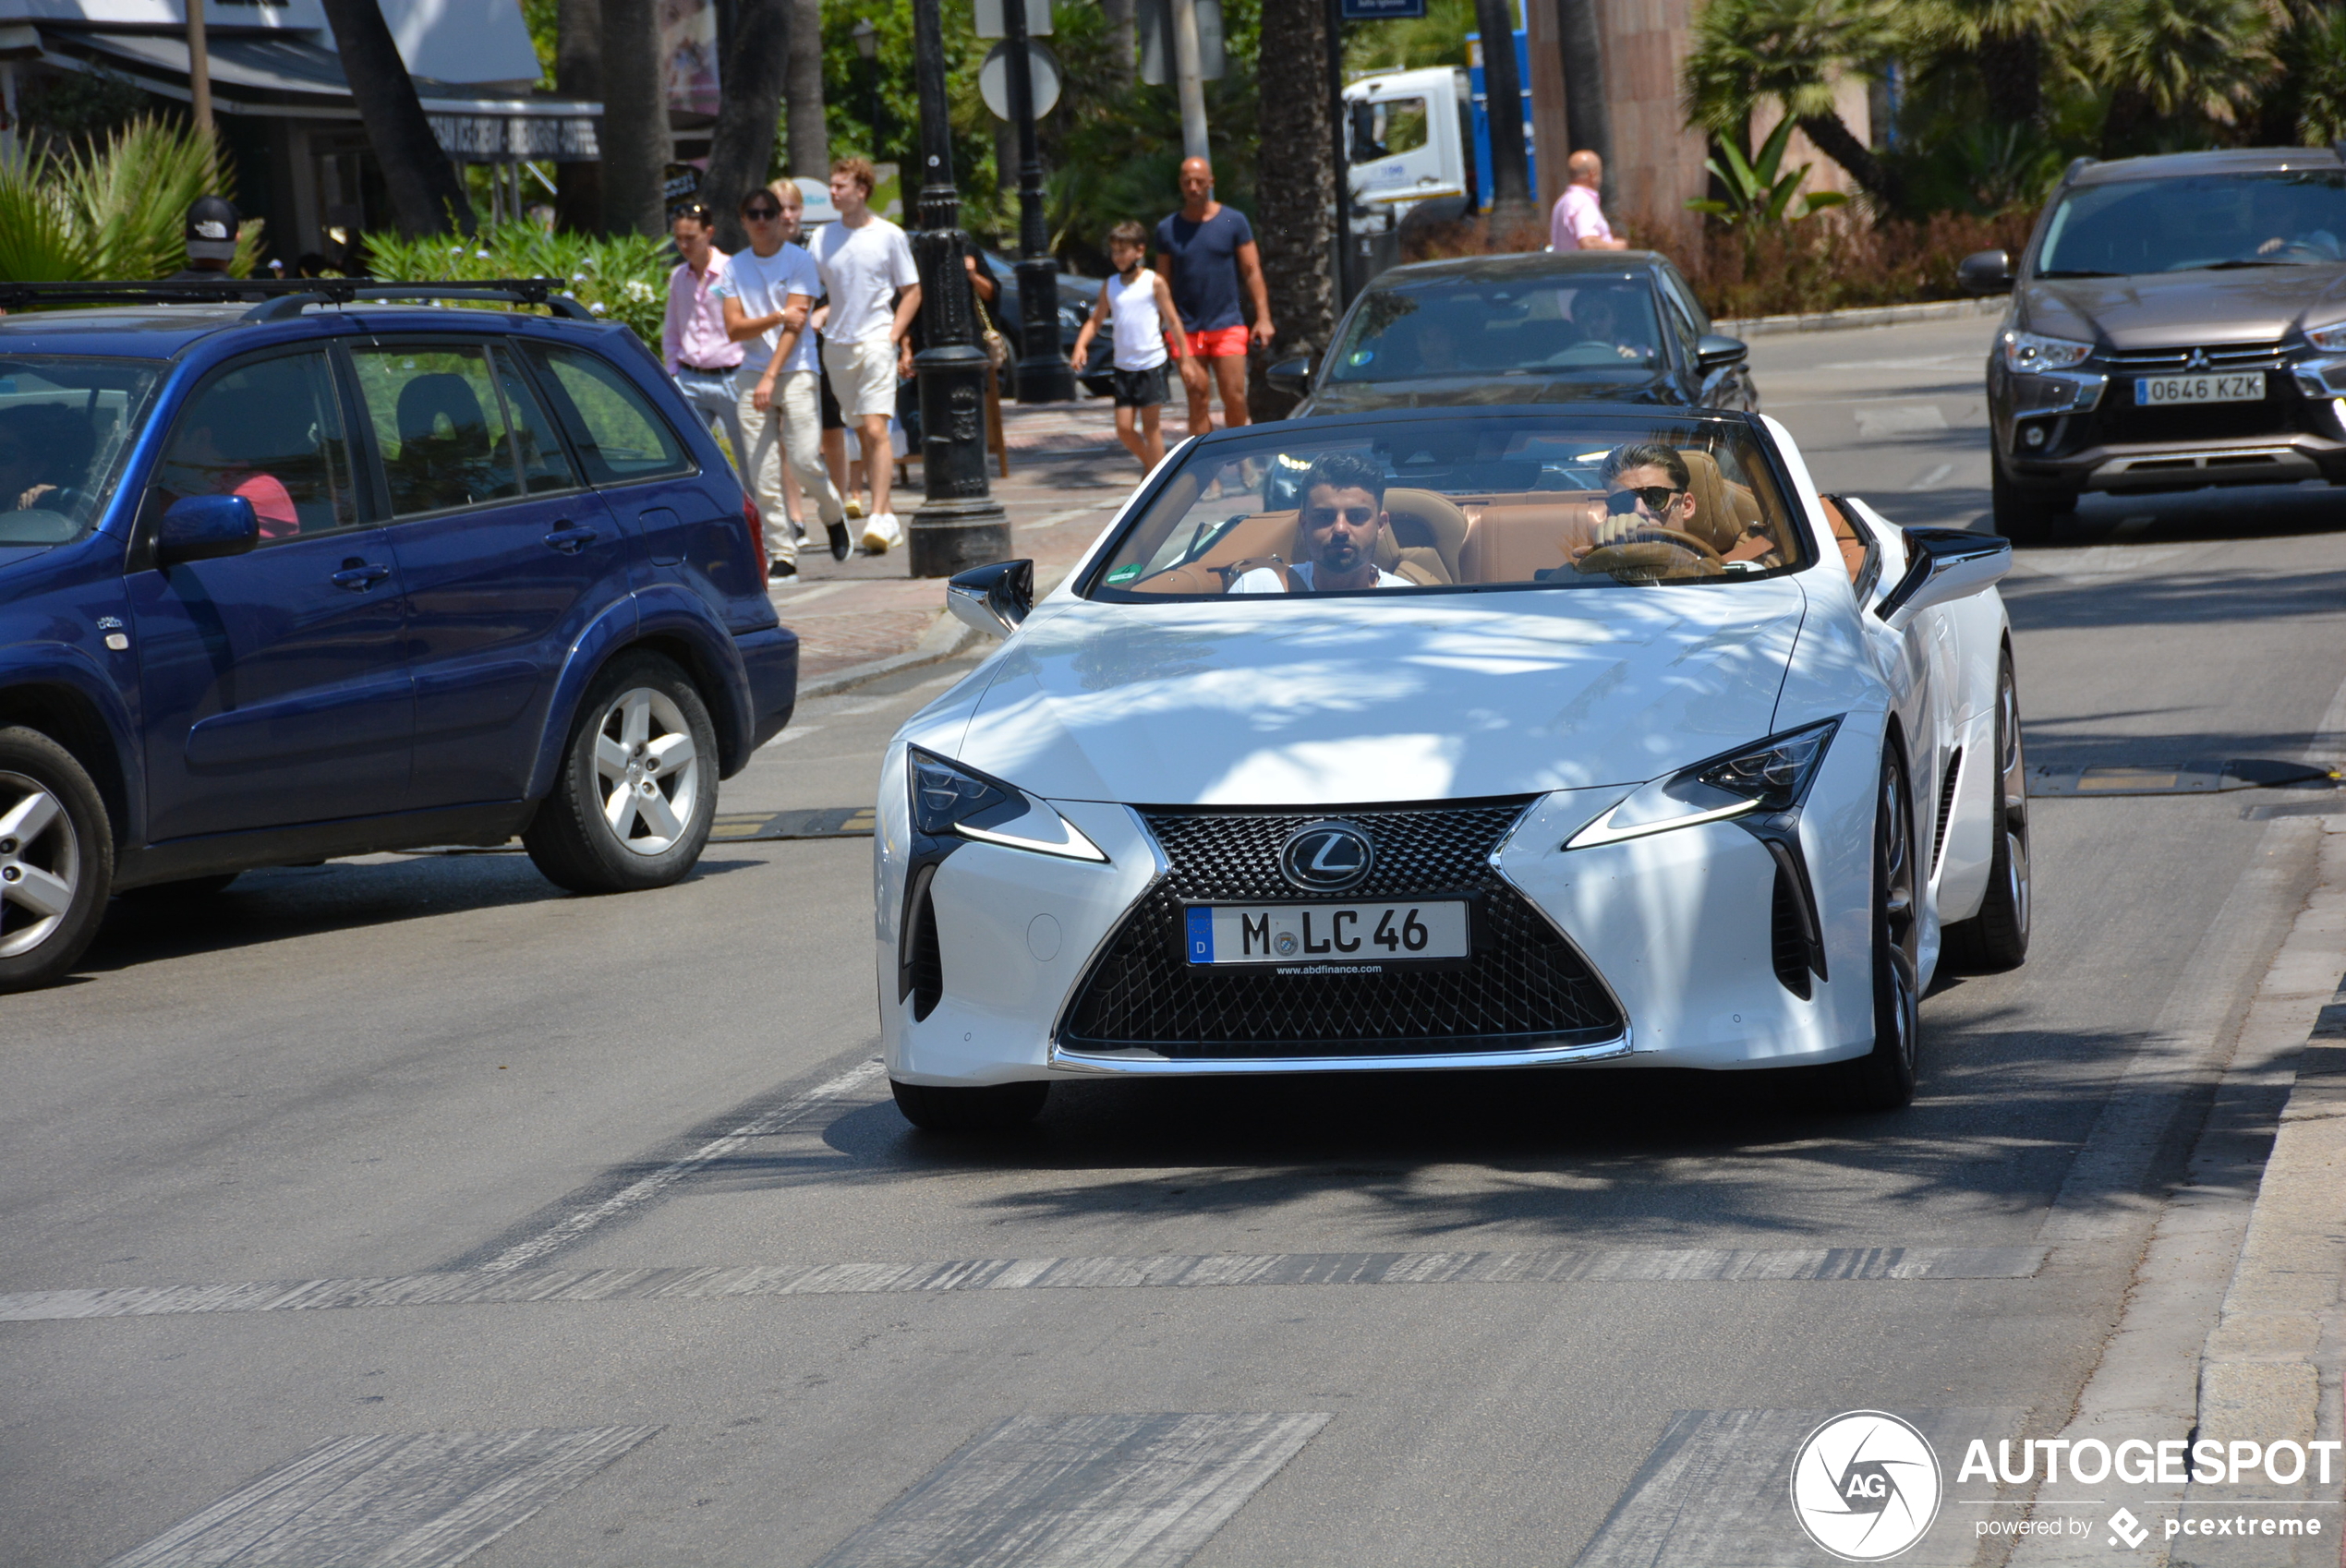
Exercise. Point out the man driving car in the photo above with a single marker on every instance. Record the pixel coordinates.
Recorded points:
(1337, 530)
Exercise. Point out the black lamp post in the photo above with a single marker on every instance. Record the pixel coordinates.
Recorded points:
(958, 526)
(865, 38)
(1043, 375)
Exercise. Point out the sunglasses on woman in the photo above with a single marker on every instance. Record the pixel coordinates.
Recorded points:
(1656, 497)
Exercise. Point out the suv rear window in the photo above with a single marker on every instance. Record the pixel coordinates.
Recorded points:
(65, 423)
(619, 436)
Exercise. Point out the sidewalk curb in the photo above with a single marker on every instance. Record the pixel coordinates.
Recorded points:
(1862, 316)
(944, 639)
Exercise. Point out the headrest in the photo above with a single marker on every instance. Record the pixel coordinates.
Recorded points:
(426, 400)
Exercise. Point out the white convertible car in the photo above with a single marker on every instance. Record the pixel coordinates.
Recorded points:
(1476, 737)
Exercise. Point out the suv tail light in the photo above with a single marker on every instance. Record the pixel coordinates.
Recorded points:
(754, 523)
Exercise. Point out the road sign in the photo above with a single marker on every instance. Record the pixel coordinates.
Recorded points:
(1154, 19)
(1383, 10)
(994, 79)
(1039, 18)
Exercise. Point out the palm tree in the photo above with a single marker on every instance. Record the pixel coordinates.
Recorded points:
(1747, 52)
(2005, 41)
(2164, 59)
(1294, 195)
(426, 194)
(749, 103)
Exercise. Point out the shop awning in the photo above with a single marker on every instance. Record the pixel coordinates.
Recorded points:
(286, 76)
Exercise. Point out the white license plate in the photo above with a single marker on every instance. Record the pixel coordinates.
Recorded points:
(2247, 387)
(1325, 934)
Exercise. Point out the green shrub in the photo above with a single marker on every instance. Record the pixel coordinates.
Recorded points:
(622, 277)
(113, 212)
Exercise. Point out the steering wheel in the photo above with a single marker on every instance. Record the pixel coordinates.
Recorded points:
(1652, 552)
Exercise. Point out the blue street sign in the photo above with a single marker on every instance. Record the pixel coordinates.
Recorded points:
(1383, 10)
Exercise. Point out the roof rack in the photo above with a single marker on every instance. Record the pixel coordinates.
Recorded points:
(288, 296)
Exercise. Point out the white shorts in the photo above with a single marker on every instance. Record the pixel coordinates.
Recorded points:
(863, 377)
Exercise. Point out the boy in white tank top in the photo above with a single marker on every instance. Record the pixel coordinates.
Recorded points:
(1137, 304)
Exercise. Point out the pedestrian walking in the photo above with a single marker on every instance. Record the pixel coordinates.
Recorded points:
(1137, 305)
(1577, 222)
(1206, 252)
(700, 356)
(866, 268)
(211, 238)
(768, 291)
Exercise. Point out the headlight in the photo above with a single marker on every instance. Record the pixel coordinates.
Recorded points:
(948, 799)
(2027, 351)
(2329, 340)
(1772, 776)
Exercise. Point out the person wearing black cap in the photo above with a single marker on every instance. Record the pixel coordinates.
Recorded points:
(211, 241)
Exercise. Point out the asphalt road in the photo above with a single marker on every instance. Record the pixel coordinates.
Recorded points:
(502, 1105)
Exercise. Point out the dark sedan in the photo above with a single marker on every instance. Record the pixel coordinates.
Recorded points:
(1617, 326)
(2176, 322)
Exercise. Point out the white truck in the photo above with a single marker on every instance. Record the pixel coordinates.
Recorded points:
(1417, 137)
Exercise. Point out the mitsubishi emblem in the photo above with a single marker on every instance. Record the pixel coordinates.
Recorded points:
(2198, 360)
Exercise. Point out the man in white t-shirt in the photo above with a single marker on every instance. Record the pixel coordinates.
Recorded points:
(866, 266)
(1336, 531)
(768, 291)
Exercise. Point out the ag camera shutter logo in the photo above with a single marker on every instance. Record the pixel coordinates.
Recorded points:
(1866, 1486)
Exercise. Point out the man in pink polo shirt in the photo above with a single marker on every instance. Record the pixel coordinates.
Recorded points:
(1577, 222)
(693, 340)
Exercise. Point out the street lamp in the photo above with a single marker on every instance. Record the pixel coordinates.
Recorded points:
(1043, 375)
(866, 36)
(959, 525)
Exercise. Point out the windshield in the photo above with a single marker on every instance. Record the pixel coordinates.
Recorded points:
(65, 423)
(1458, 326)
(1444, 506)
(2172, 225)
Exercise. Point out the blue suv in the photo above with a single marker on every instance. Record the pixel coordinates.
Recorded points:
(323, 576)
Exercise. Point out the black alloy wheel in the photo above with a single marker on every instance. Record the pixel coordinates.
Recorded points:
(1883, 1078)
(994, 1107)
(2026, 516)
(1997, 937)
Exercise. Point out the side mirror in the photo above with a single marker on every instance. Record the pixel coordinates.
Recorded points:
(1985, 272)
(1944, 565)
(1291, 376)
(1713, 351)
(992, 598)
(206, 527)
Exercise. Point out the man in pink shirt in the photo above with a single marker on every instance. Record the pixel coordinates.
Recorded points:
(692, 337)
(1577, 222)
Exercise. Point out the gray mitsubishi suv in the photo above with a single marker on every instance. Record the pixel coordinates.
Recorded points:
(2176, 322)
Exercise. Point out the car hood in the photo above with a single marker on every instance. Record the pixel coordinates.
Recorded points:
(1282, 702)
(1457, 392)
(2167, 309)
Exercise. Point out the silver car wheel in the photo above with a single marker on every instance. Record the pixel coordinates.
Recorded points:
(40, 864)
(647, 769)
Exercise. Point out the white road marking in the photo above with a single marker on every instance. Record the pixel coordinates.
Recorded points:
(1082, 1491)
(1069, 515)
(502, 1282)
(418, 1499)
(795, 732)
(650, 1187)
(1900, 420)
(1935, 477)
(1713, 1490)
(1937, 362)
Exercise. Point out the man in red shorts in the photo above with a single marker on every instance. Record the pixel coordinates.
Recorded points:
(1205, 251)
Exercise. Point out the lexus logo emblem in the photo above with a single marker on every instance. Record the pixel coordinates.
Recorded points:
(1327, 856)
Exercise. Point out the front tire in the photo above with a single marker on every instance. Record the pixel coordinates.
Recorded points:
(1997, 937)
(56, 860)
(1883, 1078)
(2026, 516)
(637, 792)
(995, 1107)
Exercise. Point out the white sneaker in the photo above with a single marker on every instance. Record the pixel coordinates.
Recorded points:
(882, 534)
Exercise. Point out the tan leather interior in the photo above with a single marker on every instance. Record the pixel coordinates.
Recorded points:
(1845, 535)
(1435, 538)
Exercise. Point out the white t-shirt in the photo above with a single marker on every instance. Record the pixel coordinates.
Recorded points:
(1132, 312)
(862, 269)
(764, 285)
(1263, 580)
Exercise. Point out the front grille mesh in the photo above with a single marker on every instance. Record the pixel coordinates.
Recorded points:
(1523, 986)
(2223, 357)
